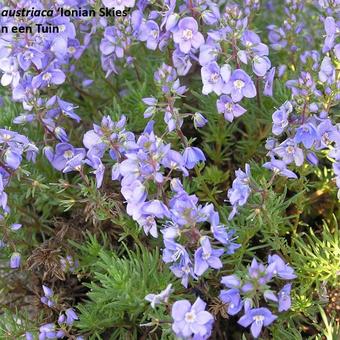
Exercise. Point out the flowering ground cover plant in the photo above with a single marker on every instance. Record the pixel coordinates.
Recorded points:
(169, 169)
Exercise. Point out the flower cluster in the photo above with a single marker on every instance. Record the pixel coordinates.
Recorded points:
(33, 63)
(65, 320)
(217, 46)
(228, 29)
(239, 192)
(13, 147)
(302, 127)
(249, 290)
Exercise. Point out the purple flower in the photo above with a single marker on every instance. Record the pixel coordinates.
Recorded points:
(71, 316)
(67, 109)
(135, 195)
(16, 226)
(48, 77)
(199, 120)
(149, 211)
(280, 118)
(257, 318)
(187, 35)
(277, 37)
(166, 77)
(13, 158)
(29, 336)
(190, 320)
(230, 109)
(252, 42)
(183, 270)
(303, 86)
(290, 152)
(257, 274)
(232, 299)
(63, 153)
(24, 118)
(149, 32)
(277, 267)
(269, 81)
(311, 57)
(215, 78)
(240, 85)
(163, 296)
(174, 252)
(15, 259)
(182, 62)
(307, 134)
(48, 331)
(328, 133)
(270, 295)
(75, 163)
(68, 264)
(312, 158)
(11, 74)
(327, 71)
(261, 65)
(231, 281)
(239, 192)
(280, 168)
(331, 29)
(99, 169)
(60, 133)
(109, 46)
(284, 297)
(223, 235)
(48, 298)
(118, 4)
(47, 291)
(206, 256)
(209, 52)
(29, 56)
(192, 155)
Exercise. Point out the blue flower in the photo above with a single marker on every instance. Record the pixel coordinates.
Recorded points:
(284, 297)
(199, 120)
(47, 299)
(277, 267)
(280, 118)
(163, 296)
(191, 319)
(279, 167)
(240, 85)
(191, 156)
(307, 134)
(183, 270)
(99, 169)
(230, 109)
(206, 256)
(15, 260)
(187, 35)
(232, 299)
(239, 192)
(215, 78)
(257, 318)
(290, 152)
(71, 316)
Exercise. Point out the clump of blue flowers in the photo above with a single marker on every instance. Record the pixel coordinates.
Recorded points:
(247, 292)
(152, 156)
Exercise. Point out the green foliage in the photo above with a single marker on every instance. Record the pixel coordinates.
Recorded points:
(120, 283)
(317, 257)
(14, 325)
(329, 330)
